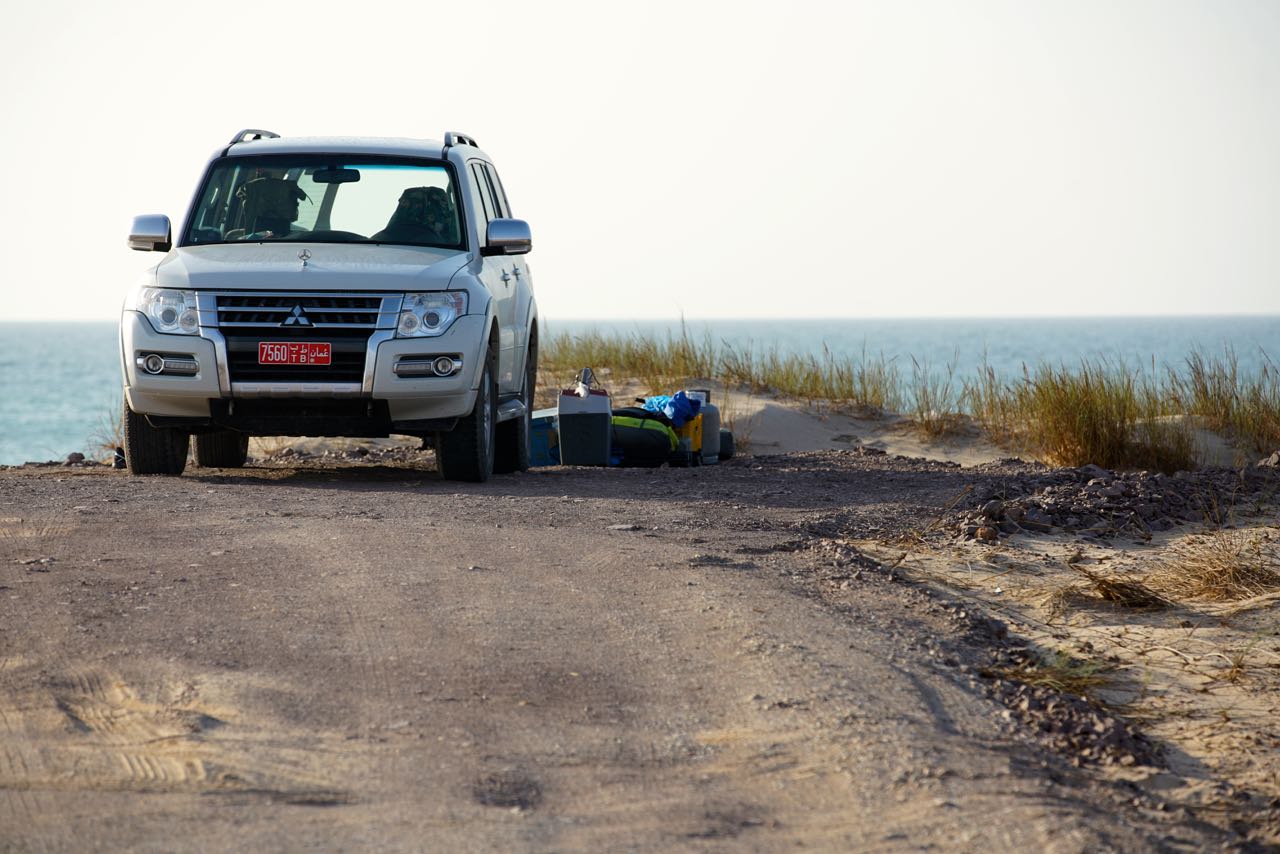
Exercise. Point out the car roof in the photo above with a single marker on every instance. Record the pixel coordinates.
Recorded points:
(386, 146)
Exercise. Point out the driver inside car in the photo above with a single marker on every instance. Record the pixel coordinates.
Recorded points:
(270, 207)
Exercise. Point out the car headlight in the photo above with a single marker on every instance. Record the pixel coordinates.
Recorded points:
(170, 311)
(431, 313)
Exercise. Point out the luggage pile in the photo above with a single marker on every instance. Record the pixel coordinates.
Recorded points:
(681, 429)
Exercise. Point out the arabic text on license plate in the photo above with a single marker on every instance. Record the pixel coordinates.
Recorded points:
(294, 353)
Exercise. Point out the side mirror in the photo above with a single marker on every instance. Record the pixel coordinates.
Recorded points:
(151, 233)
(507, 237)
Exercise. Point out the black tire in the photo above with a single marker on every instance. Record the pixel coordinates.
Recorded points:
(514, 438)
(225, 449)
(466, 451)
(153, 450)
(726, 444)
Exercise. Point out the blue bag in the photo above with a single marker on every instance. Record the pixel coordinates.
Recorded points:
(678, 407)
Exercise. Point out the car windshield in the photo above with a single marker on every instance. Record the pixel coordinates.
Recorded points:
(320, 199)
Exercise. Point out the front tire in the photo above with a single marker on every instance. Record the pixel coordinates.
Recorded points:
(225, 449)
(153, 450)
(515, 437)
(466, 451)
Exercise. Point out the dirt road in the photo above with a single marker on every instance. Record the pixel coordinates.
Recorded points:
(362, 656)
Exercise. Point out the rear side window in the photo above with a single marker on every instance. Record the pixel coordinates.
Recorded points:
(482, 188)
(498, 193)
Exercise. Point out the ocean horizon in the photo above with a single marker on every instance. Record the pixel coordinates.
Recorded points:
(60, 382)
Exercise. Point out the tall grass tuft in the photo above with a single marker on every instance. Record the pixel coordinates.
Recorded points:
(1097, 413)
(1247, 408)
(994, 405)
(934, 399)
(1083, 417)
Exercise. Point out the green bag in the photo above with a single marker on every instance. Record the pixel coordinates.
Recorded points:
(642, 438)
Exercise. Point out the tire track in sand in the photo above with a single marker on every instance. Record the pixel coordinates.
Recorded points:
(92, 730)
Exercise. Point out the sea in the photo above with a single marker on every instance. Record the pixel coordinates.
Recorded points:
(60, 382)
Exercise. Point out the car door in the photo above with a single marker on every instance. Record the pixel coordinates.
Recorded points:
(518, 270)
(495, 273)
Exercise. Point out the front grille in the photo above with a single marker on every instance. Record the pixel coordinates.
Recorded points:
(304, 311)
(344, 320)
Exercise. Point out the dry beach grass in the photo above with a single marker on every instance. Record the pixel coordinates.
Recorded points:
(1224, 565)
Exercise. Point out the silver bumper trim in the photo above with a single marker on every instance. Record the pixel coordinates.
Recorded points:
(252, 390)
(220, 356)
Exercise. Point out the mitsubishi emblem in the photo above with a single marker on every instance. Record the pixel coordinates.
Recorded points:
(303, 255)
(297, 317)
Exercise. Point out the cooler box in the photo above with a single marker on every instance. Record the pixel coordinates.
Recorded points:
(586, 428)
(544, 440)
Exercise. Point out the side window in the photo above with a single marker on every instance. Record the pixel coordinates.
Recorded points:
(498, 192)
(216, 207)
(482, 187)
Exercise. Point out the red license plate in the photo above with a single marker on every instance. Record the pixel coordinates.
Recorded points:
(294, 353)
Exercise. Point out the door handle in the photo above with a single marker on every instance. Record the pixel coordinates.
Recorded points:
(506, 277)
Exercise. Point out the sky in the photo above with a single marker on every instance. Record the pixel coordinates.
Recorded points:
(697, 159)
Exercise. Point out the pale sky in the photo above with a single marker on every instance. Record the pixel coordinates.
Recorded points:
(729, 159)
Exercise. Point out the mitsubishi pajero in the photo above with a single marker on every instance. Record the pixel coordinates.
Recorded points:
(334, 287)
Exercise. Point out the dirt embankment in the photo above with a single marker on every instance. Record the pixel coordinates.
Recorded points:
(350, 653)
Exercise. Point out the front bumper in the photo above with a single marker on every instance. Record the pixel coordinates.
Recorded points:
(407, 399)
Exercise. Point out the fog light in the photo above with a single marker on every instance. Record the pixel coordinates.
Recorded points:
(153, 364)
(443, 366)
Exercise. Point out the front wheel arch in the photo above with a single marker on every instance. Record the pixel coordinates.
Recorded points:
(513, 447)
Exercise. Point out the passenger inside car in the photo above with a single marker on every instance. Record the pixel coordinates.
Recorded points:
(422, 215)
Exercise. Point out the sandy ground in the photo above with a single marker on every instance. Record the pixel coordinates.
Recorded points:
(770, 425)
(788, 650)
(1200, 677)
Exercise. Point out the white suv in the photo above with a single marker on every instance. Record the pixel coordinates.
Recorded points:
(334, 287)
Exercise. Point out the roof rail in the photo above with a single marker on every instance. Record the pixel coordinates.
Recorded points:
(252, 134)
(452, 138)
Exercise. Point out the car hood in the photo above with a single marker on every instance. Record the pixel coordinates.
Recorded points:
(328, 267)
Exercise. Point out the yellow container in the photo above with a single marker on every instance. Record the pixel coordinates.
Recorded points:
(692, 430)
